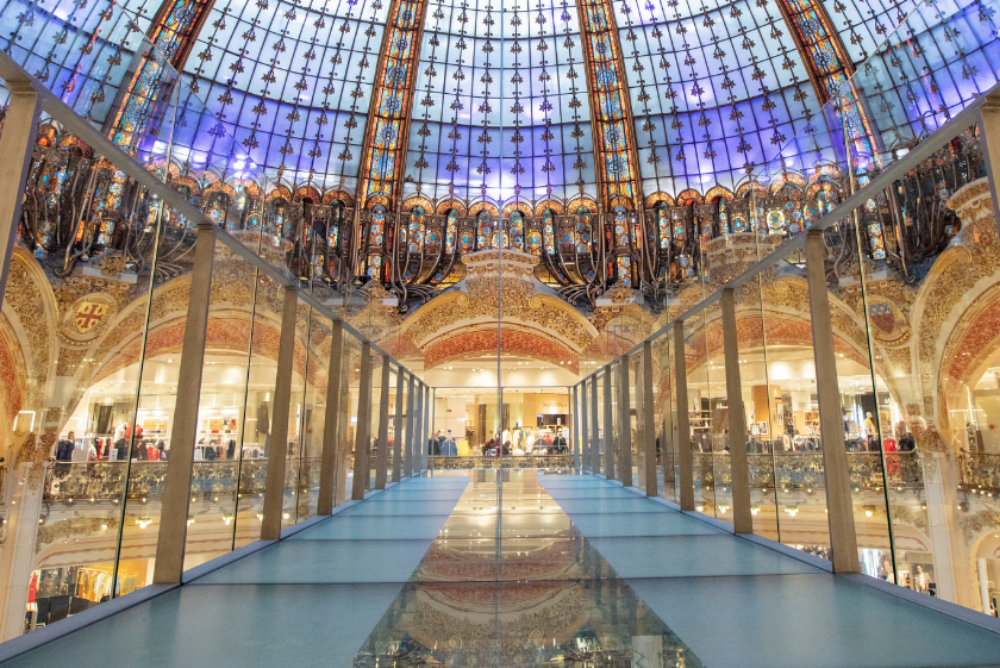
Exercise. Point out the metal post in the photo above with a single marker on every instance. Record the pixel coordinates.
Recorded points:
(433, 424)
(277, 449)
(410, 406)
(583, 439)
(328, 458)
(577, 441)
(424, 420)
(843, 540)
(362, 435)
(609, 428)
(595, 433)
(382, 456)
(419, 442)
(685, 461)
(625, 417)
(429, 428)
(649, 417)
(742, 517)
(177, 489)
(397, 424)
(586, 440)
(17, 144)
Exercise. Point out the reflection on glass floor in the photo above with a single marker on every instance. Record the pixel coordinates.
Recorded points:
(549, 570)
(533, 594)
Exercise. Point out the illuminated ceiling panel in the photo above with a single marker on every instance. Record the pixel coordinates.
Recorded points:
(290, 83)
(501, 102)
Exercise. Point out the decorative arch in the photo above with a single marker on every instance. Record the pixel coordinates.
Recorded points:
(448, 205)
(468, 343)
(511, 207)
(484, 205)
(557, 208)
(719, 192)
(307, 193)
(659, 197)
(342, 196)
(689, 197)
(415, 201)
(744, 189)
(279, 192)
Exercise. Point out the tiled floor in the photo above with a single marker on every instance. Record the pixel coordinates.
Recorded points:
(553, 570)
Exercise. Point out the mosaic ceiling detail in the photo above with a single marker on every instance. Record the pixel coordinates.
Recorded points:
(513, 102)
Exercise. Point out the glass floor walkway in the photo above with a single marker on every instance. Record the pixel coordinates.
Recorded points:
(544, 570)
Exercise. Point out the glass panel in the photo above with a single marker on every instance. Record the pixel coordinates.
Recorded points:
(71, 338)
(660, 379)
(636, 412)
(761, 405)
(699, 415)
(927, 248)
(161, 348)
(352, 358)
(345, 426)
(614, 429)
(372, 399)
(221, 412)
(256, 432)
(791, 376)
(862, 413)
(671, 467)
(296, 415)
(715, 407)
(604, 437)
(314, 415)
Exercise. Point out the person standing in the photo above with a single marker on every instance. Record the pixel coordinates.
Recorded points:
(64, 453)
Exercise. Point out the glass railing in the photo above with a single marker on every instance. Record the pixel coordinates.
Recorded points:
(908, 263)
(97, 297)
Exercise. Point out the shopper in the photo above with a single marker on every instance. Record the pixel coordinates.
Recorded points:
(64, 453)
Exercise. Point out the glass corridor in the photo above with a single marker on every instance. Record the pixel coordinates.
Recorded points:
(517, 568)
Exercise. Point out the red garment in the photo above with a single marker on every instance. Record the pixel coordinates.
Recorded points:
(33, 588)
(891, 461)
(152, 454)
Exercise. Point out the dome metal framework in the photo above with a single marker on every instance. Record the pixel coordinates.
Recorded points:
(379, 141)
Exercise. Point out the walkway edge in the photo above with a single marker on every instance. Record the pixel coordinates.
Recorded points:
(64, 627)
(961, 613)
(23, 644)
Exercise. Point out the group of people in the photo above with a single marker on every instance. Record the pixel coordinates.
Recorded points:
(528, 442)
(111, 449)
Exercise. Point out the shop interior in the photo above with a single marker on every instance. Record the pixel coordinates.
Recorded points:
(533, 422)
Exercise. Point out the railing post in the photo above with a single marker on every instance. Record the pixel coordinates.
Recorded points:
(17, 144)
(277, 449)
(989, 140)
(425, 409)
(649, 417)
(684, 459)
(362, 435)
(382, 456)
(581, 453)
(397, 428)
(742, 517)
(580, 419)
(433, 397)
(410, 405)
(595, 434)
(177, 489)
(625, 419)
(843, 540)
(328, 459)
(609, 428)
